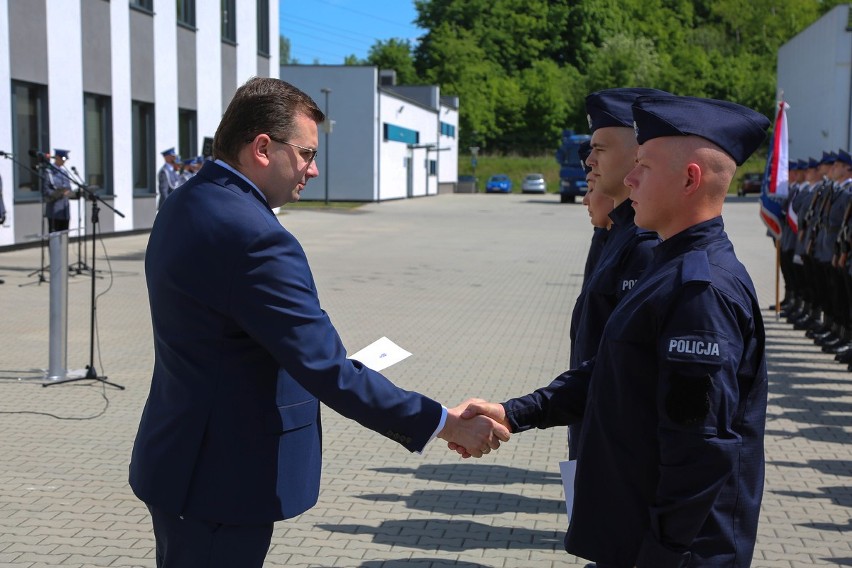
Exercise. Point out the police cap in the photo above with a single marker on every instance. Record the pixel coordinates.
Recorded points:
(611, 107)
(738, 130)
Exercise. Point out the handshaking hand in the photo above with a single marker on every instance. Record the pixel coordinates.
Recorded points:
(472, 435)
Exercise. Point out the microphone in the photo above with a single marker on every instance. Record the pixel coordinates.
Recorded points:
(6, 154)
(40, 155)
(73, 169)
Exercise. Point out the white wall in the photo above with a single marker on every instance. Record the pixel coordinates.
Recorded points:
(247, 41)
(208, 49)
(65, 90)
(814, 74)
(166, 60)
(122, 144)
(7, 233)
(448, 160)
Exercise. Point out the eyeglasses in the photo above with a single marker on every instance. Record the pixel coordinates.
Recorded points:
(312, 151)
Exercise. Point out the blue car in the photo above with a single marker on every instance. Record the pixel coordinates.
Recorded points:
(499, 183)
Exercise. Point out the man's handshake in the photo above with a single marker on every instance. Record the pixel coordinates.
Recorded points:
(475, 427)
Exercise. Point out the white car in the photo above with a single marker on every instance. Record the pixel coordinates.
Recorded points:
(534, 183)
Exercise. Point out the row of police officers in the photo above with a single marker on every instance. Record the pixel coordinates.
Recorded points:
(815, 242)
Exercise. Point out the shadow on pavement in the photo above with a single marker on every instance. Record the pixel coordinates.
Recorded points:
(482, 474)
(452, 536)
(466, 502)
(423, 562)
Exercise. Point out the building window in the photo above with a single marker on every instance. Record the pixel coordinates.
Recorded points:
(263, 27)
(146, 5)
(144, 166)
(229, 20)
(433, 167)
(393, 133)
(186, 12)
(187, 133)
(30, 127)
(98, 139)
(448, 130)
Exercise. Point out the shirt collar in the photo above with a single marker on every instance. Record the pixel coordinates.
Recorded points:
(230, 168)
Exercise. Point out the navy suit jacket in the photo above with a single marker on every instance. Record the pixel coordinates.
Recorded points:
(243, 356)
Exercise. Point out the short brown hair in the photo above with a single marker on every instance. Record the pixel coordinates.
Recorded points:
(261, 105)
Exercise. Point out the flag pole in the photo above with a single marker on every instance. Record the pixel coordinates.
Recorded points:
(777, 278)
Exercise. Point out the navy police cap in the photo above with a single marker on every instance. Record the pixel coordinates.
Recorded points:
(843, 156)
(583, 151)
(828, 158)
(812, 163)
(169, 152)
(803, 165)
(738, 130)
(60, 153)
(611, 107)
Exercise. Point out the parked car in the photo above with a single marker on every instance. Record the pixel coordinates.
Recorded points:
(534, 183)
(467, 184)
(499, 183)
(751, 183)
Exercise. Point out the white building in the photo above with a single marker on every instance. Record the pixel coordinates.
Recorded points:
(387, 141)
(815, 76)
(116, 82)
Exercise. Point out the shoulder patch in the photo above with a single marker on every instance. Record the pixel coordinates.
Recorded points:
(695, 267)
(702, 347)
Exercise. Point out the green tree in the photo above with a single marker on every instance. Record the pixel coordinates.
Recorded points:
(284, 50)
(395, 54)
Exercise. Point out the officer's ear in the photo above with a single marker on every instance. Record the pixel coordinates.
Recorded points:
(693, 178)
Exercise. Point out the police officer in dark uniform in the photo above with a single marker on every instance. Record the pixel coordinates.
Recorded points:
(57, 192)
(628, 249)
(167, 177)
(787, 243)
(674, 405)
(802, 205)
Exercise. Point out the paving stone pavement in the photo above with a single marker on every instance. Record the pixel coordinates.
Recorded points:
(480, 288)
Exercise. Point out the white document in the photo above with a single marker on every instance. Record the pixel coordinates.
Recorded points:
(568, 469)
(381, 354)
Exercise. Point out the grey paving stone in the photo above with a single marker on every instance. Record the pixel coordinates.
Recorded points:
(480, 288)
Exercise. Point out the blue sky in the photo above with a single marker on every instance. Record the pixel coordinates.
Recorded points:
(326, 31)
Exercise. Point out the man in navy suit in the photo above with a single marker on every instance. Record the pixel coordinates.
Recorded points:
(230, 439)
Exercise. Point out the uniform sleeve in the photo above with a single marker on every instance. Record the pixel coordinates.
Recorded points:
(560, 403)
(701, 354)
(275, 301)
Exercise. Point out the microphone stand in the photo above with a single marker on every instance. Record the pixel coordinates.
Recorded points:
(91, 373)
(80, 265)
(37, 170)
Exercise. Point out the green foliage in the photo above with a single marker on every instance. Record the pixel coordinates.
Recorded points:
(394, 54)
(283, 50)
(522, 68)
(514, 166)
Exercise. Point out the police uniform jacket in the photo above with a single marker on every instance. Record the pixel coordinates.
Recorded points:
(623, 259)
(800, 205)
(167, 181)
(599, 238)
(244, 354)
(832, 222)
(59, 180)
(673, 407)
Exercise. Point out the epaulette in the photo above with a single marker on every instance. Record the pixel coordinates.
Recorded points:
(695, 267)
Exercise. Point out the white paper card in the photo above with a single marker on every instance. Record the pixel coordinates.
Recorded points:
(381, 354)
(568, 469)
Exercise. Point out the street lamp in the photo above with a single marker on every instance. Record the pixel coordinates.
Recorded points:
(327, 128)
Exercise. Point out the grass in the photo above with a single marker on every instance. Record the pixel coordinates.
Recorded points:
(516, 167)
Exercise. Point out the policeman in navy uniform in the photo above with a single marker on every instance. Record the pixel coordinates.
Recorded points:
(628, 249)
(57, 208)
(808, 193)
(167, 177)
(674, 406)
(787, 241)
